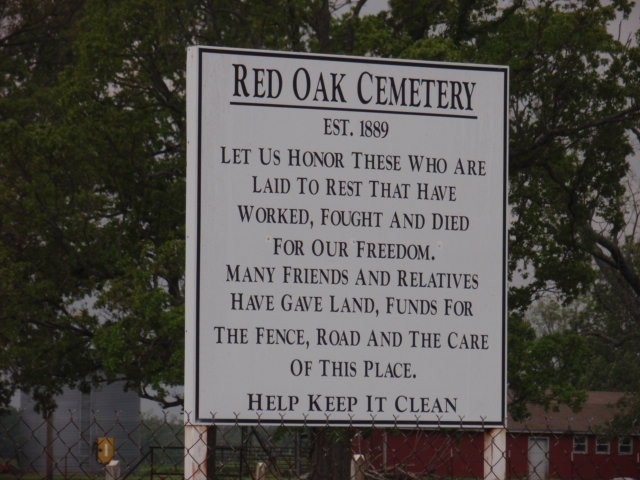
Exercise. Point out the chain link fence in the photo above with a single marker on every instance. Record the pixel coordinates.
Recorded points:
(71, 447)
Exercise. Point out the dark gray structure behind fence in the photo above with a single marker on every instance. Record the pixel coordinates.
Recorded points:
(67, 442)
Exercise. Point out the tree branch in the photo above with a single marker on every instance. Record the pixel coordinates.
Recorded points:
(358, 7)
(616, 260)
(547, 137)
(178, 402)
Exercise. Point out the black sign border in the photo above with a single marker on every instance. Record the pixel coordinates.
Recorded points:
(212, 419)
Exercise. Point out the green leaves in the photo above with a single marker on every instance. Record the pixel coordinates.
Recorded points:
(92, 205)
(92, 166)
(546, 370)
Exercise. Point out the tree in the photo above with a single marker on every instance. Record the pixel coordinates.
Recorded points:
(92, 212)
(574, 106)
(92, 172)
(43, 269)
(606, 316)
(92, 163)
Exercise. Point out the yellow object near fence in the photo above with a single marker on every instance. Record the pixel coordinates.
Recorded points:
(106, 449)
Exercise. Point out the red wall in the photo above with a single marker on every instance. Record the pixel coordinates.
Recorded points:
(459, 454)
(564, 464)
(443, 453)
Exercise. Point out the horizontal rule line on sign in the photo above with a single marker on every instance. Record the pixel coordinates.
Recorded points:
(359, 110)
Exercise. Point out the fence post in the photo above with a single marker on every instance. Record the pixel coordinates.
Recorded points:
(212, 442)
(296, 452)
(495, 454)
(243, 449)
(195, 452)
(261, 471)
(112, 470)
(357, 467)
(48, 449)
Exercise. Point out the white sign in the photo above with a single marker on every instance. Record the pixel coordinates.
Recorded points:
(346, 240)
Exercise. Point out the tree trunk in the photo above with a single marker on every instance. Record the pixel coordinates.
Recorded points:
(331, 455)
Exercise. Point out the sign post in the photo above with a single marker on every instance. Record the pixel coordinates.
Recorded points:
(495, 454)
(346, 241)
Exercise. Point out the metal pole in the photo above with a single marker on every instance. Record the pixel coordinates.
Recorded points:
(49, 447)
(385, 448)
(211, 452)
(296, 452)
(243, 445)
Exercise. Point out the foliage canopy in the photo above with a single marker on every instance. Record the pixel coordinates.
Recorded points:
(92, 165)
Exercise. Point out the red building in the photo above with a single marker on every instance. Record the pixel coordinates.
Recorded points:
(560, 444)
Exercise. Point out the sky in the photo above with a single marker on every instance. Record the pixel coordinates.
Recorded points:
(625, 28)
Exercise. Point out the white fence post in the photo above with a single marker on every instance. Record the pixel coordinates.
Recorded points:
(112, 470)
(261, 471)
(495, 454)
(357, 467)
(195, 452)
